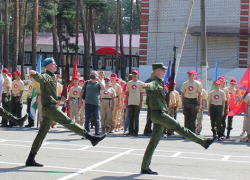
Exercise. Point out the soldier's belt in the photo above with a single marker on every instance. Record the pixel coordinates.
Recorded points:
(191, 98)
(15, 95)
(74, 98)
(107, 98)
(116, 96)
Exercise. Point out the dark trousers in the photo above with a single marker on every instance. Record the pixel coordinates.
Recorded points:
(190, 113)
(30, 120)
(16, 107)
(230, 123)
(6, 106)
(134, 112)
(215, 117)
(148, 125)
(223, 119)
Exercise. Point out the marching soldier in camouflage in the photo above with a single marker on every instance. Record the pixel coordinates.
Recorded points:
(51, 112)
(190, 102)
(5, 114)
(161, 119)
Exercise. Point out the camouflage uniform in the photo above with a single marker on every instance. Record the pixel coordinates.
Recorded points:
(50, 110)
(161, 119)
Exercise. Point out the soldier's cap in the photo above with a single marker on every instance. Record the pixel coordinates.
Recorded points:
(5, 70)
(82, 81)
(221, 78)
(135, 72)
(113, 75)
(158, 65)
(199, 80)
(10, 75)
(29, 75)
(17, 72)
(58, 75)
(191, 72)
(217, 82)
(48, 61)
(76, 78)
(175, 83)
(233, 81)
(107, 79)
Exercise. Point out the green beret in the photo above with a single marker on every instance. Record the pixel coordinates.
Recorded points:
(158, 65)
(48, 61)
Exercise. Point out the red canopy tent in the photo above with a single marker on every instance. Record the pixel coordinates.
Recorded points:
(107, 51)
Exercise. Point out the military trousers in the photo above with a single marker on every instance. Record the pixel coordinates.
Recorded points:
(223, 119)
(229, 122)
(6, 106)
(106, 113)
(82, 114)
(160, 120)
(190, 113)
(52, 113)
(115, 114)
(16, 107)
(175, 114)
(5, 114)
(215, 117)
(170, 113)
(74, 110)
(134, 112)
(199, 122)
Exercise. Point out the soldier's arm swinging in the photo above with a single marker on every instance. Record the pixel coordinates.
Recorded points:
(37, 77)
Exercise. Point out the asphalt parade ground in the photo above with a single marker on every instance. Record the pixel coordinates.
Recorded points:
(66, 156)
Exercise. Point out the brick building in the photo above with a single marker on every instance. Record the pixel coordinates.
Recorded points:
(227, 22)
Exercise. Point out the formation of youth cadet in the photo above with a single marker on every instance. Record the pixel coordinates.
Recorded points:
(231, 90)
(190, 102)
(217, 99)
(74, 95)
(202, 107)
(6, 95)
(29, 98)
(226, 107)
(17, 93)
(50, 111)
(161, 119)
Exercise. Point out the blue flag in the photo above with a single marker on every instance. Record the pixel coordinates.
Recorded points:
(168, 73)
(216, 72)
(33, 106)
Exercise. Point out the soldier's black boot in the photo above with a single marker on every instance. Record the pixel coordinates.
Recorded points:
(149, 171)
(228, 134)
(209, 142)
(94, 139)
(31, 160)
(214, 133)
(19, 121)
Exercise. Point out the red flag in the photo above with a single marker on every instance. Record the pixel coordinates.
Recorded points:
(74, 74)
(237, 104)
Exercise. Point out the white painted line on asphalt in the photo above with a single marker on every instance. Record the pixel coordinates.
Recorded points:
(45, 143)
(176, 154)
(165, 176)
(237, 141)
(3, 141)
(87, 147)
(225, 158)
(96, 165)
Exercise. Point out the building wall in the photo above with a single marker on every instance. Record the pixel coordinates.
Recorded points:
(166, 22)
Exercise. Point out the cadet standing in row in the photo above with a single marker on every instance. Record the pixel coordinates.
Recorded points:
(17, 93)
(226, 107)
(161, 119)
(74, 95)
(48, 85)
(6, 95)
(217, 99)
(190, 102)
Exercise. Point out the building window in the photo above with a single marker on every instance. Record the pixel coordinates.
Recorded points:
(27, 59)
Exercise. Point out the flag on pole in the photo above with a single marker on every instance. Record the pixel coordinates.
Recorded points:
(33, 106)
(1, 86)
(74, 74)
(215, 75)
(168, 73)
(237, 104)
